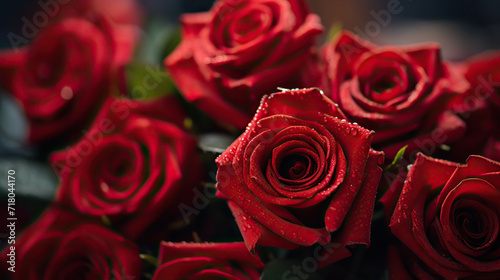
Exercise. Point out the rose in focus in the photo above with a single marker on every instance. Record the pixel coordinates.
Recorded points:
(240, 50)
(299, 173)
(400, 92)
(447, 217)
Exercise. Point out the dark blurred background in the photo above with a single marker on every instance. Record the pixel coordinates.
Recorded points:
(461, 27)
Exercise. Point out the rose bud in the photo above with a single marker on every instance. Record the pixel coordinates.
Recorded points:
(207, 261)
(446, 216)
(240, 50)
(400, 92)
(133, 166)
(63, 245)
(299, 173)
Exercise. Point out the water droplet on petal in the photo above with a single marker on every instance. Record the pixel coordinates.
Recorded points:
(242, 198)
(352, 188)
(294, 235)
(282, 232)
(354, 131)
(348, 130)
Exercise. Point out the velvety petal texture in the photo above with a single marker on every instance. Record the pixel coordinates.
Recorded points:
(447, 215)
(299, 173)
(239, 51)
(63, 245)
(400, 92)
(207, 261)
(134, 165)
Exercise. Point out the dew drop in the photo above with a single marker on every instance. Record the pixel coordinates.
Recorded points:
(352, 188)
(242, 198)
(354, 131)
(348, 130)
(294, 235)
(244, 229)
(249, 226)
(282, 232)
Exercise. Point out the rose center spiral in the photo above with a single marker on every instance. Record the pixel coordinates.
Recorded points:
(295, 167)
(471, 225)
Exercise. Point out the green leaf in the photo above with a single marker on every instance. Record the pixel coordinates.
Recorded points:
(145, 81)
(397, 158)
(150, 259)
(335, 28)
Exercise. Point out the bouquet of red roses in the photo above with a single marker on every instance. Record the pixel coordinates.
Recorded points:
(251, 153)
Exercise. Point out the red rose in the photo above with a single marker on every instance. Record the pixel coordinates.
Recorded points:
(207, 261)
(479, 107)
(125, 18)
(63, 75)
(299, 173)
(61, 245)
(232, 55)
(483, 73)
(130, 166)
(121, 12)
(447, 215)
(400, 92)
